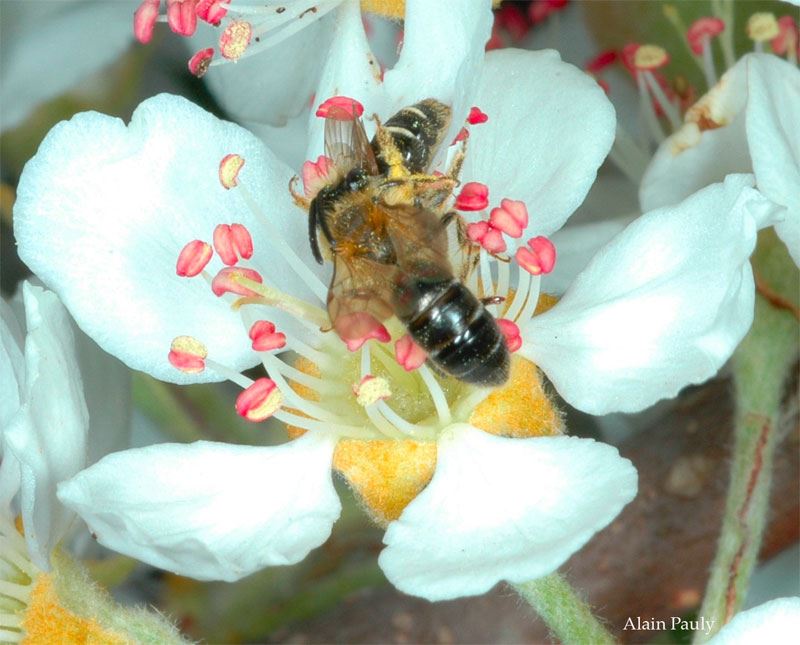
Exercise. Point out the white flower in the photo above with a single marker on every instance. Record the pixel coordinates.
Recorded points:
(104, 210)
(748, 122)
(776, 621)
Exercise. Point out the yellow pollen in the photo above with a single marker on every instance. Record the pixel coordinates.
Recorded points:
(762, 27)
(189, 345)
(235, 39)
(372, 389)
(229, 169)
(392, 9)
(650, 57)
(47, 621)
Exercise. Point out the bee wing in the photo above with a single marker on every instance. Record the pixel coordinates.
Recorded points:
(359, 286)
(419, 237)
(347, 144)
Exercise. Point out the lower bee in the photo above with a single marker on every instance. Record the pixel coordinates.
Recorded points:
(381, 219)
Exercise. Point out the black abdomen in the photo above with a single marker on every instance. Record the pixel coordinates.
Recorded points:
(416, 132)
(454, 328)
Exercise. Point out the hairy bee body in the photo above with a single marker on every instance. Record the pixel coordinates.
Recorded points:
(392, 257)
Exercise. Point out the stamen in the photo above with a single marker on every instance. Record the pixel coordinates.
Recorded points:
(523, 287)
(511, 217)
(198, 64)
(232, 241)
(412, 430)
(371, 389)
(664, 102)
(786, 42)
(437, 395)
(373, 413)
(474, 196)
(211, 11)
(650, 57)
(340, 108)
(226, 372)
(476, 116)
(229, 169)
(408, 354)
(463, 135)
(275, 367)
(181, 16)
(357, 328)
(267, 295)
(144, 20)
(228, 280)
(265, 338)
(511, 332)
(193, 258)
(259, 401)
(702, 31)
(603, 60)
(532, 300)
(316, 175)
(539, 257)
(188, 355)
(487, 236)
(235, 39)
(762, 27)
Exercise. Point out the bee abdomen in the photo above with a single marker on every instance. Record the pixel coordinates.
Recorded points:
(460, 336)
(416, 132)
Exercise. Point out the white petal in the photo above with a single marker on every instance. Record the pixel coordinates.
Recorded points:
(663, 305)
(773, 133)
(103, 211)
(12, 364)
(210, 511)
(776, 621)
(503, 509)
(47, 436)
(550, 127)
(49, 46)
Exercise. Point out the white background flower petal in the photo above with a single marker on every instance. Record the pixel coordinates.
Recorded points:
(210, 511)
(550, 127)
(503, 509)
(47, 436)
(103, 211)
(773, 622)
(663, 305)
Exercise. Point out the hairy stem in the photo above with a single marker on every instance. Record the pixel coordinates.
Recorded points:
(566, 614)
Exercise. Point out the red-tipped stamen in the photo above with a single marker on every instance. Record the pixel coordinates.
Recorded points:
(265, 338)
(408, 354)
(357, 328)
(511, 217)
(539, 257)
(702, 31)
(762, 27)
(650, 57)
(211, 11)
(229, 169)
(463, 135)
(371, 389)
(259, 401)
(474, 196)
(226, 281)
(198, 64)
(144, 20)
(513, 20)
(232, 241)
(511, 332)
(340, 108)
(603, 60)
(787, 42)
(476, 116)
(487, 236)
(193, 258)
(316, 175)
(181, 16)
(235, 39)
(188, 355)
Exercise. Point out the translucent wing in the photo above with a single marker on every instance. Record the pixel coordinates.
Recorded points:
(419, 237)
(347, 144)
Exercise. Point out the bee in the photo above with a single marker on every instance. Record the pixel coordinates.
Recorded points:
(381, 218)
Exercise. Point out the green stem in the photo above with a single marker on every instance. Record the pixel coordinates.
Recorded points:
(566, 614)
(760, 368)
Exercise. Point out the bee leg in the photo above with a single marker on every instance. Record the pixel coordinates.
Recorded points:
(492, 300)
(299, 200)
(454, 170)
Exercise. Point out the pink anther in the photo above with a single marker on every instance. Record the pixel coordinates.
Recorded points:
(476, 116)
(193, 258)
(198, 64)
(181, 16)
(232, 241)
(511, 332)
(371, 389)
(702, 31)
(235, 39)
(228, 281)
(229, 169)
(474, 196)
(512, 19)
(340, 108)
(265, 338)
(496, 39)
(316, 175)
(357, 328)
(787, 39)
(487, 236)
(463, 135)
(540, 10)
(211, 11)
(511, 217)
(259, 401)
(188, 355)
(602, 60)
(144, 20)
(408, 354)
(650, 57)
(627, 56)
(539, 257)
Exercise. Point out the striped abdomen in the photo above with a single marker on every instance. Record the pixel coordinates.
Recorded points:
(416, 131)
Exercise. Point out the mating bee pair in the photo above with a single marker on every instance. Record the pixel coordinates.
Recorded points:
(382, 217)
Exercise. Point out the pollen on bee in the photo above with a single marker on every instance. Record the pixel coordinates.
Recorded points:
(229, 168)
